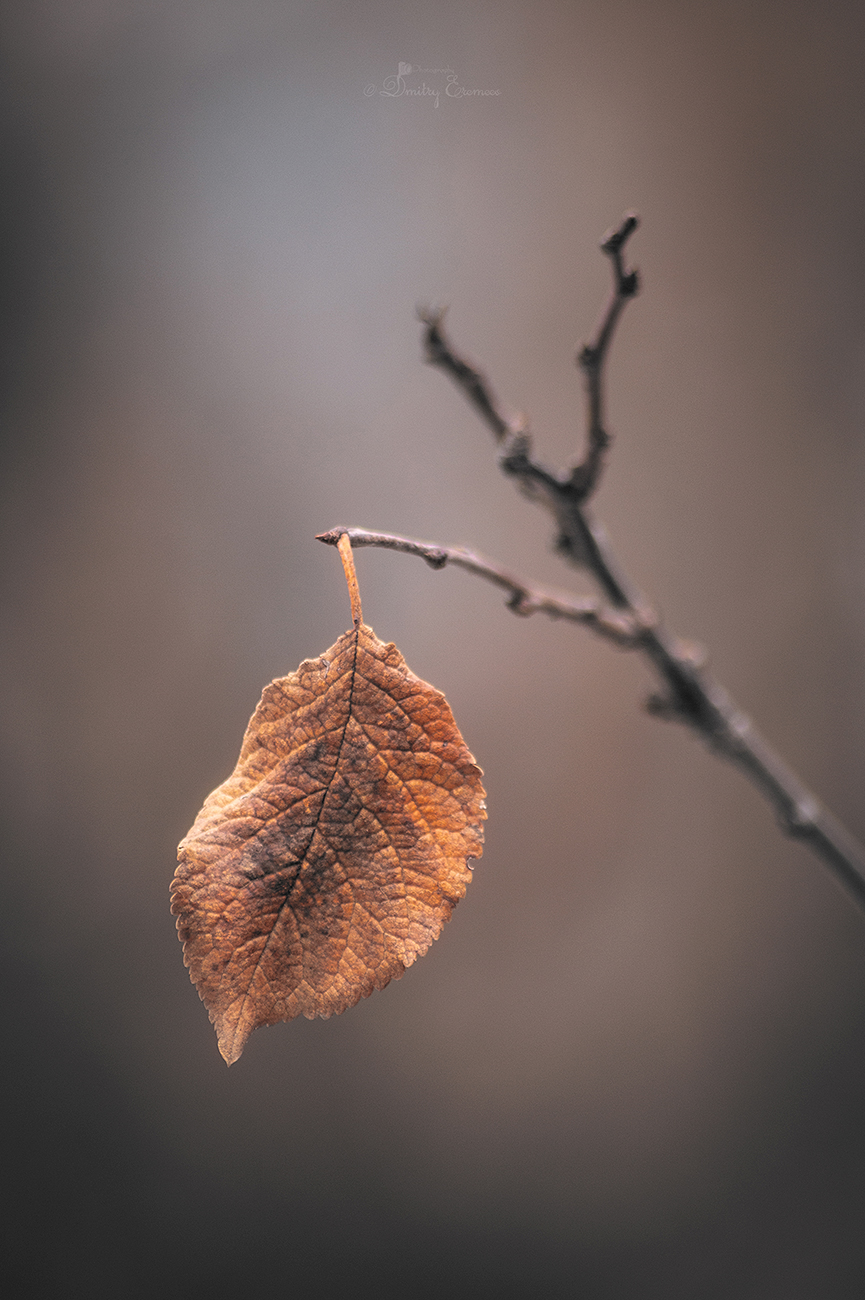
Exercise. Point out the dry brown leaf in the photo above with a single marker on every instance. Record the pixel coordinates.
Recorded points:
(337, 849)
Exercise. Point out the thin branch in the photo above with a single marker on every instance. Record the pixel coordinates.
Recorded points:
(471, 381)
(591, 357)
(622, 629)
(689, 694)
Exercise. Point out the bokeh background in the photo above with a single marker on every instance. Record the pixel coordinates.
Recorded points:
(634, 1065)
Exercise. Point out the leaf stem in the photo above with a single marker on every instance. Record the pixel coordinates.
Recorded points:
(344, 547)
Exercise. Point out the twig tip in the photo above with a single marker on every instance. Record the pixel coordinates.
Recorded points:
(432, 317)
(615, 238)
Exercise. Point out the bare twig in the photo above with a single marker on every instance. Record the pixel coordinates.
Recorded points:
(584, 477)
(471, 381)
(689, 694)
(622, 628)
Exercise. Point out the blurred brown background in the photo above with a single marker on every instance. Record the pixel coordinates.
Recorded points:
(634, 1065)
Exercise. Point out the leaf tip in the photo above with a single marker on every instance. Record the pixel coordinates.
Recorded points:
(230, 1040)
